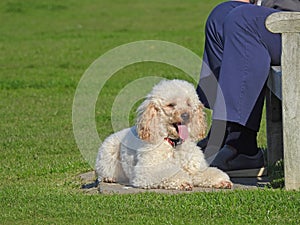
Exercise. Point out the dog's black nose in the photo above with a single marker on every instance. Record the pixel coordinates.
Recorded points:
(185, 117)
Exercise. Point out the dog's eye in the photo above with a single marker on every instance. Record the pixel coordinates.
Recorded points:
(171, 105)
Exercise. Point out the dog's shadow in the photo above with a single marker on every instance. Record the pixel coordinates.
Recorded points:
(94, 184)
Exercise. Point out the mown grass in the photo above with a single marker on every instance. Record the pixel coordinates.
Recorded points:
(41, 206)
(45, 47)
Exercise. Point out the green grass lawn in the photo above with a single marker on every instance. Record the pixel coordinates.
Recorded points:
(45, 47)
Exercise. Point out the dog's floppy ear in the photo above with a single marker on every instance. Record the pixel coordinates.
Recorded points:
(198, 123)
(146, 121)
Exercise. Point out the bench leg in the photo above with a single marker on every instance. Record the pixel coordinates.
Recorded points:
(274, 128)
(291, 107)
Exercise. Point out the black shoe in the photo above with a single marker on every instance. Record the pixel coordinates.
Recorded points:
(239, 165)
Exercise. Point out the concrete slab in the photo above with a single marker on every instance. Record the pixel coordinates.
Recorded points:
(89, 186)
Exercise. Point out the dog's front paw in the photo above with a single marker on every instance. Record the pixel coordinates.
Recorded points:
(109, 180)
(224, 184)
(186, 187)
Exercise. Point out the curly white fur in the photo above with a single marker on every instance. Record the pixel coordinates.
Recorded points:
(143, 156)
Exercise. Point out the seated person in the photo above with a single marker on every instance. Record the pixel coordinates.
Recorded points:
(238, 53)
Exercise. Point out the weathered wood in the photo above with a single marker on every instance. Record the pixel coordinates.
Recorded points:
(274, 81)
(288, 23)
(274, 127)
(274, 116)
(284, 22)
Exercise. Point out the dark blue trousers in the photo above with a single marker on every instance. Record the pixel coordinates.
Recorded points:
(236, 61)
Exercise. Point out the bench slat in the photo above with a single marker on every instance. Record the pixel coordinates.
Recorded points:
(274, 81)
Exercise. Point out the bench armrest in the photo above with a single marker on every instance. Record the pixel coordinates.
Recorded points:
(284, 22)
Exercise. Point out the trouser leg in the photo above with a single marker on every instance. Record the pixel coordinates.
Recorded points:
(249, 50)
(240, 57)
(213, 52)
(209, 75)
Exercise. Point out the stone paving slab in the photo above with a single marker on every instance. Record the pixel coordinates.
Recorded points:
(90, 187)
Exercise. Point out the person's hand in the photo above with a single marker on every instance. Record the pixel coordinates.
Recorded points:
(243, 1)
(249, 1)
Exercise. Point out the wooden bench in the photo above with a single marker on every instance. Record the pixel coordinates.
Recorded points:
(283, 99)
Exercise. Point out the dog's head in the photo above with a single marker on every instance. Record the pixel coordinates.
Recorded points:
(172, 110)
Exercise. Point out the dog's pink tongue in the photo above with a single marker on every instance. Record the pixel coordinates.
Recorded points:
(183, 132)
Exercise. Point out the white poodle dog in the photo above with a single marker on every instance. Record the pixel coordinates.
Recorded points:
(160, 151)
